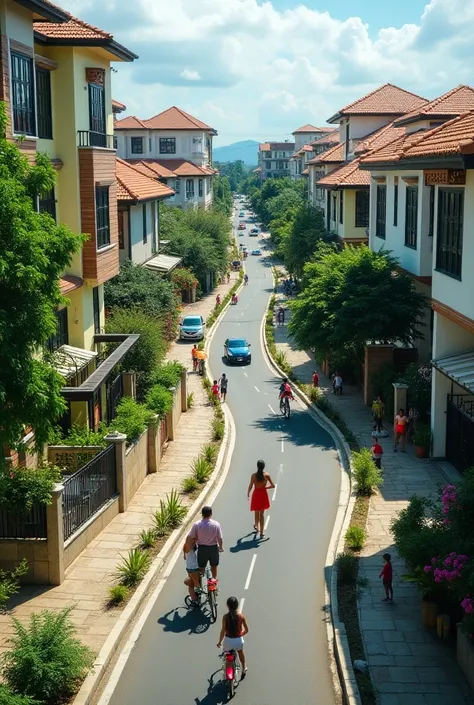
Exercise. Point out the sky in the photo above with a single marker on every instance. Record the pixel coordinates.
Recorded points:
(258, 70)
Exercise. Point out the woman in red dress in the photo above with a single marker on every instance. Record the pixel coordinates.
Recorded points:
(261, 482)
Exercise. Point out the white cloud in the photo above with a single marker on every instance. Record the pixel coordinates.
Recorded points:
(263, 71)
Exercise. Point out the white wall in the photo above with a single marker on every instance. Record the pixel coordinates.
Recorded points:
(363, 125)
(141, 251)
(17, 23)
(186, 147)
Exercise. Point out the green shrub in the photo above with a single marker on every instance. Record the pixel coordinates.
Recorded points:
(218, 428)
(281, 360)
(355, 538)
(206, 383)
(367, 476)
(315, 394)
(46, 661)
(131, 418)
(418, 378)
(117, 595)
(8, 697)
(10, 582)
(159, 400)
(347, 568)
(134, 567)
(168, 374)
(418, 539)
(147, 538)
(202, 469)
(190, 484)
(21, 487)
(81, 436)
(422, 435)
(161, 519)
(210, 452)
(175, 510)
(190, 400)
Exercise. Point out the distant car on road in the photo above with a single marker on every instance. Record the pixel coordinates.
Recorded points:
(237, 350)
(241, 226)
(236, 265)
(192, 328)
(257, 252)
(241, 214)
(254, 231)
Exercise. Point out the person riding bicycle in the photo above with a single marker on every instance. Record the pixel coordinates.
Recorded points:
(246, 279)
(285, 391)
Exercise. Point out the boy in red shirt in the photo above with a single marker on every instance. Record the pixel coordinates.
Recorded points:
(377, 452)
(315, 379)
(215, 390)
(386, 574)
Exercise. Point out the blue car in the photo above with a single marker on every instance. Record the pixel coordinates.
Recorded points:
(192, 328)
(237, 350)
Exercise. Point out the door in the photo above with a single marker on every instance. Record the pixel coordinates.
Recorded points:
(98, 137)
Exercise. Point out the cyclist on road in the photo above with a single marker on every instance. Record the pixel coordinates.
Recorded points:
(285, 392)
(207, 533)
(193, 580)
(233, 629)
(246, 279)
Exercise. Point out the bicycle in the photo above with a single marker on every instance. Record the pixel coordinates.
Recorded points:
(205, 594)
(230, 669)
(285, 407)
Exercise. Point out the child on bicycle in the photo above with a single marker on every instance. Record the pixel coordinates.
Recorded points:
(193, 580)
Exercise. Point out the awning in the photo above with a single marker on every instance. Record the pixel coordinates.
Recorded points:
(68, 283)
(68, 361)
(459, 368)
(163, 263)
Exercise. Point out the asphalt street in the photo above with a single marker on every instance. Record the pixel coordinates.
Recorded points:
(280, 578)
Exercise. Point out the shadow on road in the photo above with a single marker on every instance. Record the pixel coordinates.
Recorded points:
(193, 621)
(298, 430)
(243, 545)
(216, 692)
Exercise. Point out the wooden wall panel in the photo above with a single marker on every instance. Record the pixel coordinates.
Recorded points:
(5, 79)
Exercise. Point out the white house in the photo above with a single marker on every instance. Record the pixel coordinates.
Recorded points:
(273, 159)
(305, 136)
(175, 148)
(314, 165)
(309, 133)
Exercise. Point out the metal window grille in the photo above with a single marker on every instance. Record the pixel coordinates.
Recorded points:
(411, 217)
(43, 102)
(23, 98)
(362, 209)
(167, 145)
(449, 237)
(381, 208)
(102, 216)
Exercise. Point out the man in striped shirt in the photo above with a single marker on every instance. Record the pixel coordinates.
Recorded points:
(207, 533)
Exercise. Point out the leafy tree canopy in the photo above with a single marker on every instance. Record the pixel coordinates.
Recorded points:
(306, 232)
(222, 195)
(236, 172)
(34, 252)
(352, 297)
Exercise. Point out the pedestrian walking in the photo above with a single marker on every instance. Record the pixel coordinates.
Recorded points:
(315, 379)
(387, 575)
(337, 383)
(281, 316)
(194, 357)
(228, 277)
(216, 390)
(223, 386)
(400, 430)
(377, 452)
(193, 579)
(260, 482)
(378, 408)
(218, 300)
(207, 533)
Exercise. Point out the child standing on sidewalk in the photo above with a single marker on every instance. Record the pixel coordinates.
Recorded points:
(387, 574)
(377, 452)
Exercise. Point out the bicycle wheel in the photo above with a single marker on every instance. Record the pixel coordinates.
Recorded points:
(231, 687)
(287, 409)
(212, 605)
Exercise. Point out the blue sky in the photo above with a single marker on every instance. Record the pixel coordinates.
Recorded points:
(258, 70)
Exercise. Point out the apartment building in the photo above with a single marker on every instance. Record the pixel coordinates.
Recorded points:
(315, 167)
(55, 81)
(174, 148)
(273, 159)
(304, 137)
(309, 133)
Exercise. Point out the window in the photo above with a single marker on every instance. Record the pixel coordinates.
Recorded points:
(167, 145)
(137, 145)
(145, 231)
(395, 205)
(23, 98)
(98, 137)
(43, 103)
(411, 216)
(268, 165)
(280, 166)
(381, 211)
(432, 203)
(189, 188)
(102, 216)
(450, 232)
(341, 207)
(61, 336)
(177, 185)
(362, 209)
(334, 208)
(149, 144)
(268, 155)
(96, 309)
(47, 203)
(201, 188)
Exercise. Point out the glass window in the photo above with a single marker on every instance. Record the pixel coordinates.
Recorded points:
(47, 203)
(362, 209)
(432, 203)
(98, 137)
(189, 188)
(23, 98)
(145, 231)
(381, 209)
(43, 102)
(411, 216)
(137, 145)
(61, 336)
(268, 165)
(167, 145)
(449, 234)
(201, 188)
(177, 185)
(102, 216)
(341, 207)
(96, 308)
(334, 208)
(395, 205)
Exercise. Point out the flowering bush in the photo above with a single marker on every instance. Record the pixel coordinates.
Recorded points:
(468, 605)
(448, 499)
(448, 569)
(418, 377)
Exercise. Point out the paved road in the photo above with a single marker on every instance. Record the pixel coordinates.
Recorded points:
(281, 578)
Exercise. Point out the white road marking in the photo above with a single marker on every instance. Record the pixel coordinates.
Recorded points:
(241, 604)
(281, 469)
(258, 390)
(273, 412)
(249, 576)
(275, 491)
(245, 374)
(282, 445)
(267, 521)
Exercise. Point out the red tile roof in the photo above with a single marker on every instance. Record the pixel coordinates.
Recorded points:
(455, 102)
(305, 172)
(282, 146)
(171, 168)
(454, 137)
(334, 155)
(133, 185)
(171, 119)
(385, 100)
(117, 106)
(312, 128)
(68, 283)
(331, 138)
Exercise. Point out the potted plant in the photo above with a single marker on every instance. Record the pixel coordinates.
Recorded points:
(422, 440)
(425, 584)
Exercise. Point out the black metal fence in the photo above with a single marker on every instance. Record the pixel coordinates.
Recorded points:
(114, 396)
(88, 490)
(460, 431)
(24, 525)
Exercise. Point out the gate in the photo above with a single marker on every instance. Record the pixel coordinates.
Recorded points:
(114, 395)
(460, 431)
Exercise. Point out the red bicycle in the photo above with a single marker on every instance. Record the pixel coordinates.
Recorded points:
(230, 669)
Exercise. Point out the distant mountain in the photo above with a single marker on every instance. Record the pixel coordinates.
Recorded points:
(247, 151)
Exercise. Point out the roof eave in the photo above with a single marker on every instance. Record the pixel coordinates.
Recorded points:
(110, 45)
(449, 161)
(419, 117)
(49, 12)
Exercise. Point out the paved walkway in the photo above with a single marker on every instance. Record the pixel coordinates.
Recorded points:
(89, 577)
(409, 664)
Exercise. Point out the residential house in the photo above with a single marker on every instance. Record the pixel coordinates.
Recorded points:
(139, 198)
(364, 124)
(309, 133)
(304, 136)
(273, 159)
(117, 107)
(55, 80)
(314, 166)
(173, 147)
(321, 165)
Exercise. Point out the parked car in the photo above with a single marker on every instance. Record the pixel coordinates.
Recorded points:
(242, 214)
(241, 226)
(256, 252)
(192, 328)
(237, 350)
(236, 265)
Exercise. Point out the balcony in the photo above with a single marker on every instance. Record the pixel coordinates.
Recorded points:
(88, 138)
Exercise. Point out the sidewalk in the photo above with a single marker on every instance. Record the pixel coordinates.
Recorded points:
(409, 664)
(89, 577)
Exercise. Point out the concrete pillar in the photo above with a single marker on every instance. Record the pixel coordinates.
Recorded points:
(184, 390)
(441, 389)
(399, 398)
(153, 444)
(172, 415)
(55, 533)
(119, 440)
(129, 381)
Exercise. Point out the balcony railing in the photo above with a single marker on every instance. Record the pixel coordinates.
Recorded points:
(88, 138)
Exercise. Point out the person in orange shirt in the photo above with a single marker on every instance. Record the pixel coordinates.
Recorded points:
(194, 357)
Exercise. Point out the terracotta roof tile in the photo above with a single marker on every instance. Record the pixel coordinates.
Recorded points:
(133, 185)
(118, 106)
(170, 168)
(385, 100)
(454, 137)
(455, 102)
(312, 128)
(334, 155)
(305, 172)
(129, 123)
(282, 146)
(389, 152)
(331, 138)
(175, 119)
(69, 283)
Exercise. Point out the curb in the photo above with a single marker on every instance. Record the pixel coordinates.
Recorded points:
(337, 638)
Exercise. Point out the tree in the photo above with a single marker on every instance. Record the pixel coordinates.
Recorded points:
(236, 172)
(352, 297)
(34, 252)
(222, 195)
(307, 230)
